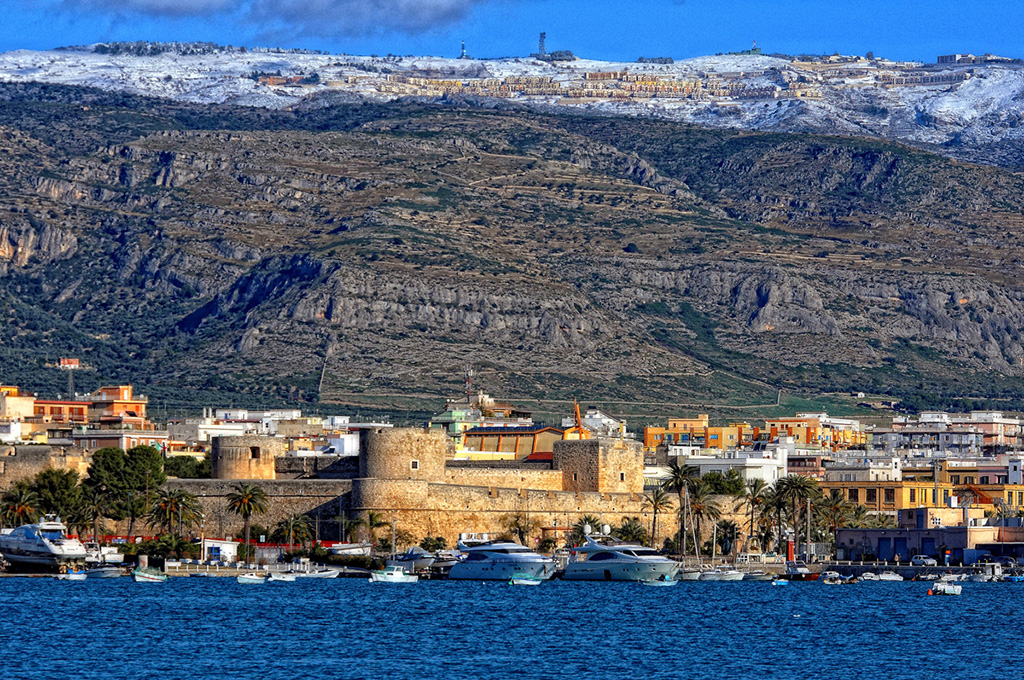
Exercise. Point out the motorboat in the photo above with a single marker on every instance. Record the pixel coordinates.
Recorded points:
(252, 578)
(779, 582)
(797, 570)
(281, 577)
(351, 549)
(43, 543)
(524, 580)
(105, 554)
(889, 576)
(71, 576)
(834, 578)
(413, 560)
(148, 575)
(757, 575)
(104, 571)
(607, 559)
(869, 576)
(500, 561)
(659, 582)
(688, 575)
(393, 573)
(446, 559)
(319, 573)
(951, 578)
(720, 574)
(945, 588)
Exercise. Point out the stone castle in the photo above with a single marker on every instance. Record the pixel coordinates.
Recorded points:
(410, 474)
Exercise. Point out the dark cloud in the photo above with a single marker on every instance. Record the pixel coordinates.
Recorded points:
(302, 17)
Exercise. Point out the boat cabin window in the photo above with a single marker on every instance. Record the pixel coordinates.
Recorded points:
(51, 535)
(643, 552)
(597, 557)
(475, 557)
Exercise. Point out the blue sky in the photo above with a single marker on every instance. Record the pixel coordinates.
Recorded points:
(600, 29)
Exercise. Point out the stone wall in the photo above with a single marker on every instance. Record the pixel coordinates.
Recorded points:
(317, 467)
(316, 497)
(18, 463)
(545, 480)
(247, 457)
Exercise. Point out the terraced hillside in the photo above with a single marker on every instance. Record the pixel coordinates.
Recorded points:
(359, 256)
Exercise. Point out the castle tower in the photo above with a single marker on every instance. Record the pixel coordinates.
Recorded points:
(249, 457)
(600, 465)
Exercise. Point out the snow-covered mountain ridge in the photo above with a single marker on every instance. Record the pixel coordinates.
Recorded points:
(973, 111)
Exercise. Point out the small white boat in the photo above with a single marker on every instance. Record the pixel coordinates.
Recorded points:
(281, 577)
(71, 576)
(780, 582)
(351, 549)
(252, 578)
(656, 582)
(148, 575)
(104, 571)
(393, 574)
(889, 576)
(869, 576)
(721, 575)
(319, 573)
(688, 575)
(757, 575)
(525, 580)
(945, 588)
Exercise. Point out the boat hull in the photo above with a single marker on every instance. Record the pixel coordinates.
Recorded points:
(607, 570)
(500, 571)
(251, 579)
(104, 572)
(147, 577)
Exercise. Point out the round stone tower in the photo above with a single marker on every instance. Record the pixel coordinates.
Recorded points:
(403, 453)
(249, 457)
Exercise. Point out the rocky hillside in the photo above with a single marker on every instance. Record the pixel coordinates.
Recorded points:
(360, 255)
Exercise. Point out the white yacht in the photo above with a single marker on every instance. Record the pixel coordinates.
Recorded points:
(500, 561)
(43, 543)
(414, 560)
(107, 554)
(608, 559)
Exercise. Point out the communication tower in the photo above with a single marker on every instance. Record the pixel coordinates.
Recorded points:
(70, 365)
(540, 46)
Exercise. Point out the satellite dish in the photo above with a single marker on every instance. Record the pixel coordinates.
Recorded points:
(606, 530)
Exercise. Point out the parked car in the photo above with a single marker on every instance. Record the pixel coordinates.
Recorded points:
(923, 561)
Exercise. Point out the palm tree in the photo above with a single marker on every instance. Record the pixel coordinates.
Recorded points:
(678, 480)
(346, 525)
(797, 489)
(21, 505)
(834, 510)
(579, 533)
(631, 530)
(883, 522)
(859, 517)
(727, 534)
(520, 525)
(374, 521)
(96, 505)
(247, 500)
(173, 510)
(703, 505)
(172, 544)
(292, 528)
(756, 490)
(657, 501)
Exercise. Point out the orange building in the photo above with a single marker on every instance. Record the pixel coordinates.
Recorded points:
(118, 404)
(57, 411)
(819, 429)
(697, 432)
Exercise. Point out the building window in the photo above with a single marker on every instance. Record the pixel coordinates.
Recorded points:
(983, 480)
(871, 496)
(415, 465)
(1020, 498)
(622, 476)
(853, 495)
(254, 452)
(913, 495)
(889, 495)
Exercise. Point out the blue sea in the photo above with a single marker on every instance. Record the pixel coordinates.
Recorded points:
(348, 628)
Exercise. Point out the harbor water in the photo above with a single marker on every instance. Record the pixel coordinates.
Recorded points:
(217, 628)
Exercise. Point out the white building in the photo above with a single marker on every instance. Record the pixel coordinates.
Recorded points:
(864, 469)
(10, 431)
(600, 423)
(767, 462)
